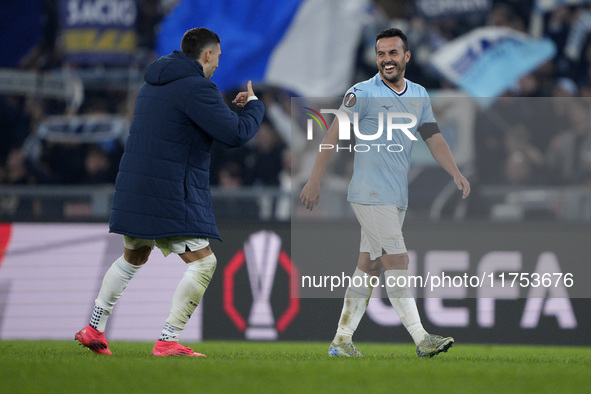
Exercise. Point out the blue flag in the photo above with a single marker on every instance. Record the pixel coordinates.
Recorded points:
(488, 61)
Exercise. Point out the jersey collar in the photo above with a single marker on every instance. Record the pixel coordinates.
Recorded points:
(395, 92)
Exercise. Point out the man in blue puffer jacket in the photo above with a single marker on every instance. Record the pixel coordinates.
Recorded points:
(162, 190)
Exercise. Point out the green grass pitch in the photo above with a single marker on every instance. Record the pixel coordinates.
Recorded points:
(294, 367)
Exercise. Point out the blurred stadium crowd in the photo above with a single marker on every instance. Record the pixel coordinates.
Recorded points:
(34, 151)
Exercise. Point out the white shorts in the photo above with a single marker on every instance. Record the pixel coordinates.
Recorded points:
(381, 229)
(178, 245)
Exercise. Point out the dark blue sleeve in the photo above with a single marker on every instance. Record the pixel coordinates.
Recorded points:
(207, 109)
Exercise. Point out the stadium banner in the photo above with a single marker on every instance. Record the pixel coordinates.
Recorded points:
(477, 61)
(262, 36)
(50, 275)
(98, 32)
(447, 263)
(434, 9)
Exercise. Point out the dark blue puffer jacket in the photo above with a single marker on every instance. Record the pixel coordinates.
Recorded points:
(162, 187)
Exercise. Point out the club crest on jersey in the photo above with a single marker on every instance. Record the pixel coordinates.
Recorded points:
(350, 99)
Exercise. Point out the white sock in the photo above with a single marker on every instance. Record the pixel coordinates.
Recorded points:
(404, 304)
(354, 306)
(187, 296)
(170, 333)
(114, 282)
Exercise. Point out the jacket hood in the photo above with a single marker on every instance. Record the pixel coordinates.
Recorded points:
(172, 67)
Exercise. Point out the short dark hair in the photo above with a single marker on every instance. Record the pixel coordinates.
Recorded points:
(196, 40)
(394, 32)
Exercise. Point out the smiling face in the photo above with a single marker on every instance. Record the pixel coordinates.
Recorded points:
(391, 59)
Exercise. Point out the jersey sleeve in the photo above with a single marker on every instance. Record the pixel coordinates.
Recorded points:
(355, 101)
(427, 115)
(427, 124)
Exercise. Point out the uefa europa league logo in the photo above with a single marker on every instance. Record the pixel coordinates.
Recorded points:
(262, 255)
(261, 252)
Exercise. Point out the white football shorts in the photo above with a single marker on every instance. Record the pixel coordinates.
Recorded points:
(178, 245)
(381, 229)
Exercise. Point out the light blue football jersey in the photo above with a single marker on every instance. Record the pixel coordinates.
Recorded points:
(380, 173)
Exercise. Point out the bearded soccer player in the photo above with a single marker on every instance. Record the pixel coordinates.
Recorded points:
(162, 189)
(378, 191)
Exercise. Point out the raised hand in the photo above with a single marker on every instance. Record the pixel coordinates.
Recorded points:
(242, 97)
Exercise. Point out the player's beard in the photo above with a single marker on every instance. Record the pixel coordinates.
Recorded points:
(394, 78)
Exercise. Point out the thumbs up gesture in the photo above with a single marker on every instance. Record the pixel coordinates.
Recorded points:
(242, 97)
